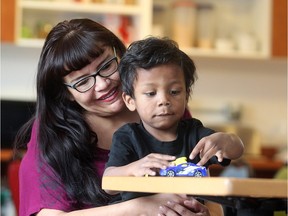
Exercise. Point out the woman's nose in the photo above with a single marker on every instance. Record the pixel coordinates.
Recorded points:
(101, 83)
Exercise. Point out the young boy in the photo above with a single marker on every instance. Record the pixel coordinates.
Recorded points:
(157, 79)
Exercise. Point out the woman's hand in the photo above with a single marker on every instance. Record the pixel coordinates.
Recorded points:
(170, 205)
(188, 207)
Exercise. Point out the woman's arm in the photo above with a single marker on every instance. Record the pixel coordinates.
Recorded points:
(131, 207)
(140, 206)
(120, 209)
(163, 204)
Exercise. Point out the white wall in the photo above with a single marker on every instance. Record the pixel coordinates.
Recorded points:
(18, 72)
(258, 87)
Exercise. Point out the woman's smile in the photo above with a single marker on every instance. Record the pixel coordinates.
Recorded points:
(111, 95)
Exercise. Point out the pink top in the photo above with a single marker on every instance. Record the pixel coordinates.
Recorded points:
(39, 186)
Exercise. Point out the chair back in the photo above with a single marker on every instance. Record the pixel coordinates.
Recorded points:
(13, 181)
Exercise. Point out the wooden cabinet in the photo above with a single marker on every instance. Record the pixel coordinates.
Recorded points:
(36, 18)
(238, 26)
(18, 17)
(232, 25)
(8, 20)
(279, 28)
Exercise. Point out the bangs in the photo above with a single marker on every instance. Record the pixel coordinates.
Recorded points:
(74, 44)
(77, 53)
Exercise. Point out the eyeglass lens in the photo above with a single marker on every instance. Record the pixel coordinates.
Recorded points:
(105, 71)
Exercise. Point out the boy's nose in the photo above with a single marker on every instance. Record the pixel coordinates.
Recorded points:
(164, 101)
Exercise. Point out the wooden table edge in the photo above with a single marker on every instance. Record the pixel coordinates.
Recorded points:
(209, 186)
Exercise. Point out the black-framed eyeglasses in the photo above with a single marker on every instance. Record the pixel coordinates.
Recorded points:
(86, 83)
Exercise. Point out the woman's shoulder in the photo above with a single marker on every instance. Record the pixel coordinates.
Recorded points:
(32, 153)
(30, 160)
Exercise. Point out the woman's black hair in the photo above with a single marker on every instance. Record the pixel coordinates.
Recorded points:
(65, 140)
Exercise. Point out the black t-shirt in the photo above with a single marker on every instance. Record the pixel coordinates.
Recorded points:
(132, 142)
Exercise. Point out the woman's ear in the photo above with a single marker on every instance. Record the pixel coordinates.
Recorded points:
(70, 96)
(129, 101)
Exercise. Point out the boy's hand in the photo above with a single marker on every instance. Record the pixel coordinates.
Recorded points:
(148, 164)
(209, 146)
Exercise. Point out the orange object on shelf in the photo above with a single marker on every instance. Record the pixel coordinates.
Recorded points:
(6, 155)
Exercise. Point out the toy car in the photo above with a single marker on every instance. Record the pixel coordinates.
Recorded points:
(184, 169)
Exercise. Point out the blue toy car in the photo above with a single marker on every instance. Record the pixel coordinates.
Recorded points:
(184, 169)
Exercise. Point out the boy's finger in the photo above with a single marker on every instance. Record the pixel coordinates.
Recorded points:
(164, 157)
(197, 149)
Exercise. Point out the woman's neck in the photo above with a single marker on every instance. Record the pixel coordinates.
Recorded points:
(105, 127)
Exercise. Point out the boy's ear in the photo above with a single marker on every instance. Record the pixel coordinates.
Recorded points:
(129, 101)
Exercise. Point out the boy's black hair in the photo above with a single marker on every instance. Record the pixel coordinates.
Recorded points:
(152, 52)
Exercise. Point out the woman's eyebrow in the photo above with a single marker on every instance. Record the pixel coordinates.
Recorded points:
(101, 63)
(74, 80)
(105, 60)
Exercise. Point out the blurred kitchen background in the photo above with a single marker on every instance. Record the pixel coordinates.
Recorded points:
(239, 48)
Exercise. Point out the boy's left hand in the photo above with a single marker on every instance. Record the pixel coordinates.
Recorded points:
(215, 144)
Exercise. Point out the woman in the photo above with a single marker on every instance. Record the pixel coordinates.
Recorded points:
(79, 107)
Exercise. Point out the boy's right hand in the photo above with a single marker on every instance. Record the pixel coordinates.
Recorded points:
(148, 164)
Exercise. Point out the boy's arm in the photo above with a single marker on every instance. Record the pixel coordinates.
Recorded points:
(141, 167)
(115, 171)
(234, 148)
(145, 166)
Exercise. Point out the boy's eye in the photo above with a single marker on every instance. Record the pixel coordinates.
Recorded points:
(150, 93)
(174, 92)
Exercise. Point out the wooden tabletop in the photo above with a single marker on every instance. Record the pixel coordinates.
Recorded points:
(206, 186)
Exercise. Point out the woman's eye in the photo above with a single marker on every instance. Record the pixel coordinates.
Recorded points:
(106, 67)
(84, 82)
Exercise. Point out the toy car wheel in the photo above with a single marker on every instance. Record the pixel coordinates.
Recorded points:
(170, 173)
(198, 174)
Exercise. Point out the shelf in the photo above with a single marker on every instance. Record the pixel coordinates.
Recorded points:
(231, 16)
(237, 29)
(33, 18)
(33, 42)
(99, 8)
(18, 95)
(192, 52)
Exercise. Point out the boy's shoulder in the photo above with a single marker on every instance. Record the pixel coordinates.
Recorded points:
(191, 122)
(129, 127)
